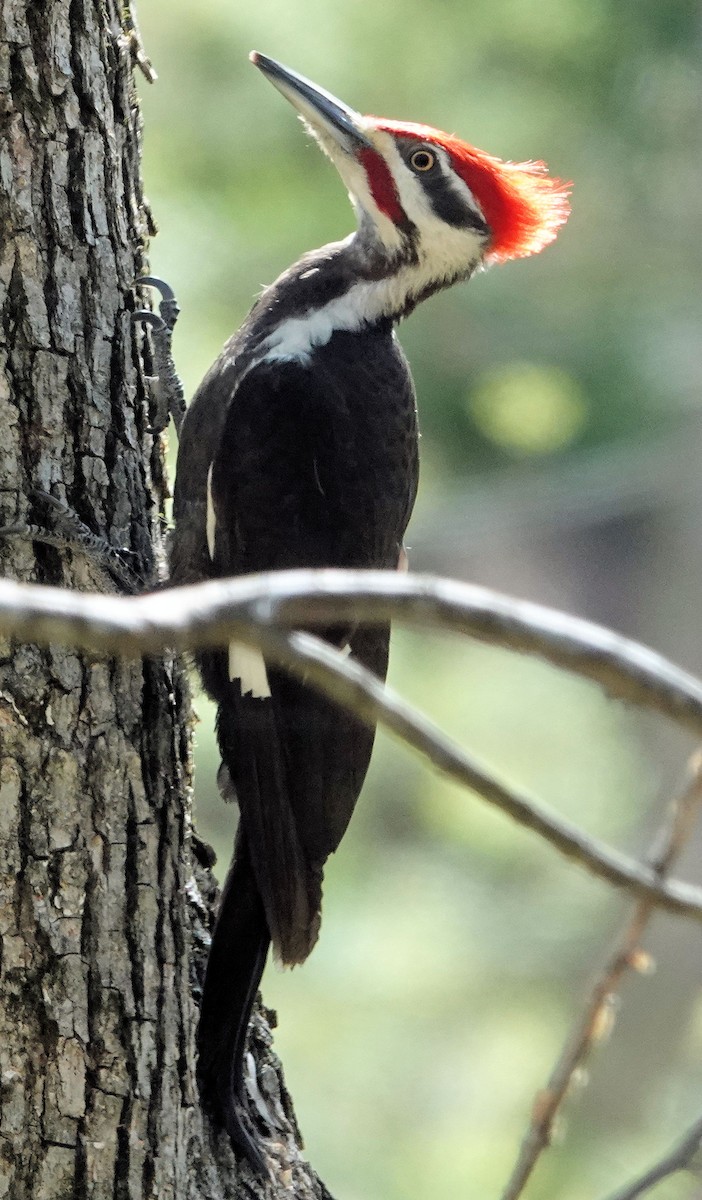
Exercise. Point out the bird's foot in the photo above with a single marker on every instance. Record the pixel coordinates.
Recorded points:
(166, 387)
(64, 530)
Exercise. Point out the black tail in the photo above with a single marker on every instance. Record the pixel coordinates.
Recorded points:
(237, 957)
(255, 756)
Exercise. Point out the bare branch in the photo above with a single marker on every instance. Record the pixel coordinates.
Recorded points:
(212, 613)
(680, 1158)
(209, 614)
(596, 1017)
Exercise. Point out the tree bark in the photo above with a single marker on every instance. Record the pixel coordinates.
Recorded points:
(101, 912)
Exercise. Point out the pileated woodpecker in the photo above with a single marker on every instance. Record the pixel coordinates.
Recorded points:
(300, 450)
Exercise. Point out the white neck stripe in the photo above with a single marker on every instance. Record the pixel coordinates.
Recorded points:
(295, 338)
(370, 300)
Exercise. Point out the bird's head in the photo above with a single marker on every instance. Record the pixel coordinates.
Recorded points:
(424, 197)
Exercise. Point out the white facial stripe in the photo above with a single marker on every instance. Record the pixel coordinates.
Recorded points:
(246, 664)
(211, 521)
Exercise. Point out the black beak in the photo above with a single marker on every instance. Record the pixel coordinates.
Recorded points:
(319, 108)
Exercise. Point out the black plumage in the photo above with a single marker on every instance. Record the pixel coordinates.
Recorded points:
(312, 463)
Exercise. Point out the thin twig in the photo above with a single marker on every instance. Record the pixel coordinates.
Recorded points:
(680, 1158)
(596, 1017)
(209, 614)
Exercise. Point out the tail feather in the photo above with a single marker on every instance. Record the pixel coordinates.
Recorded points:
(235, 965)
(291, 895)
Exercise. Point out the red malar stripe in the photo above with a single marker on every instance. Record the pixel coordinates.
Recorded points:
(382, 186)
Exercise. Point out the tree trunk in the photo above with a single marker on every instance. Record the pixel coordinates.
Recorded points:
(99, 904)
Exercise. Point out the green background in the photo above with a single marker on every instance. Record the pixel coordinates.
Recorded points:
(559, 403)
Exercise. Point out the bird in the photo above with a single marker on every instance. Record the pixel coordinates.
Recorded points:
(300, 449)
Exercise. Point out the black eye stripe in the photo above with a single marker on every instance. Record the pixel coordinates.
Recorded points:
(446, 200)
(450, 206)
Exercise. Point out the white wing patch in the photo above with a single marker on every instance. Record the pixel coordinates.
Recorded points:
(246, 664)
(211, 525)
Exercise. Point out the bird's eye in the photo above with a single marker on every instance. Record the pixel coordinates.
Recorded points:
(422, 160)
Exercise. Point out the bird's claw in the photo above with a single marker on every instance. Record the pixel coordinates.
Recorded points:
(168, 308)
(167, 389)
(147, 316)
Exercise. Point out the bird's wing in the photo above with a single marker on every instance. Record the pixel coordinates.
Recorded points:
(281, 492)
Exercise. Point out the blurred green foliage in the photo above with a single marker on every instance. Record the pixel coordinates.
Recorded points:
(454, 947)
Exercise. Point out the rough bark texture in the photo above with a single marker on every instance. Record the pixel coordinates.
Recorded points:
(99, 906)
